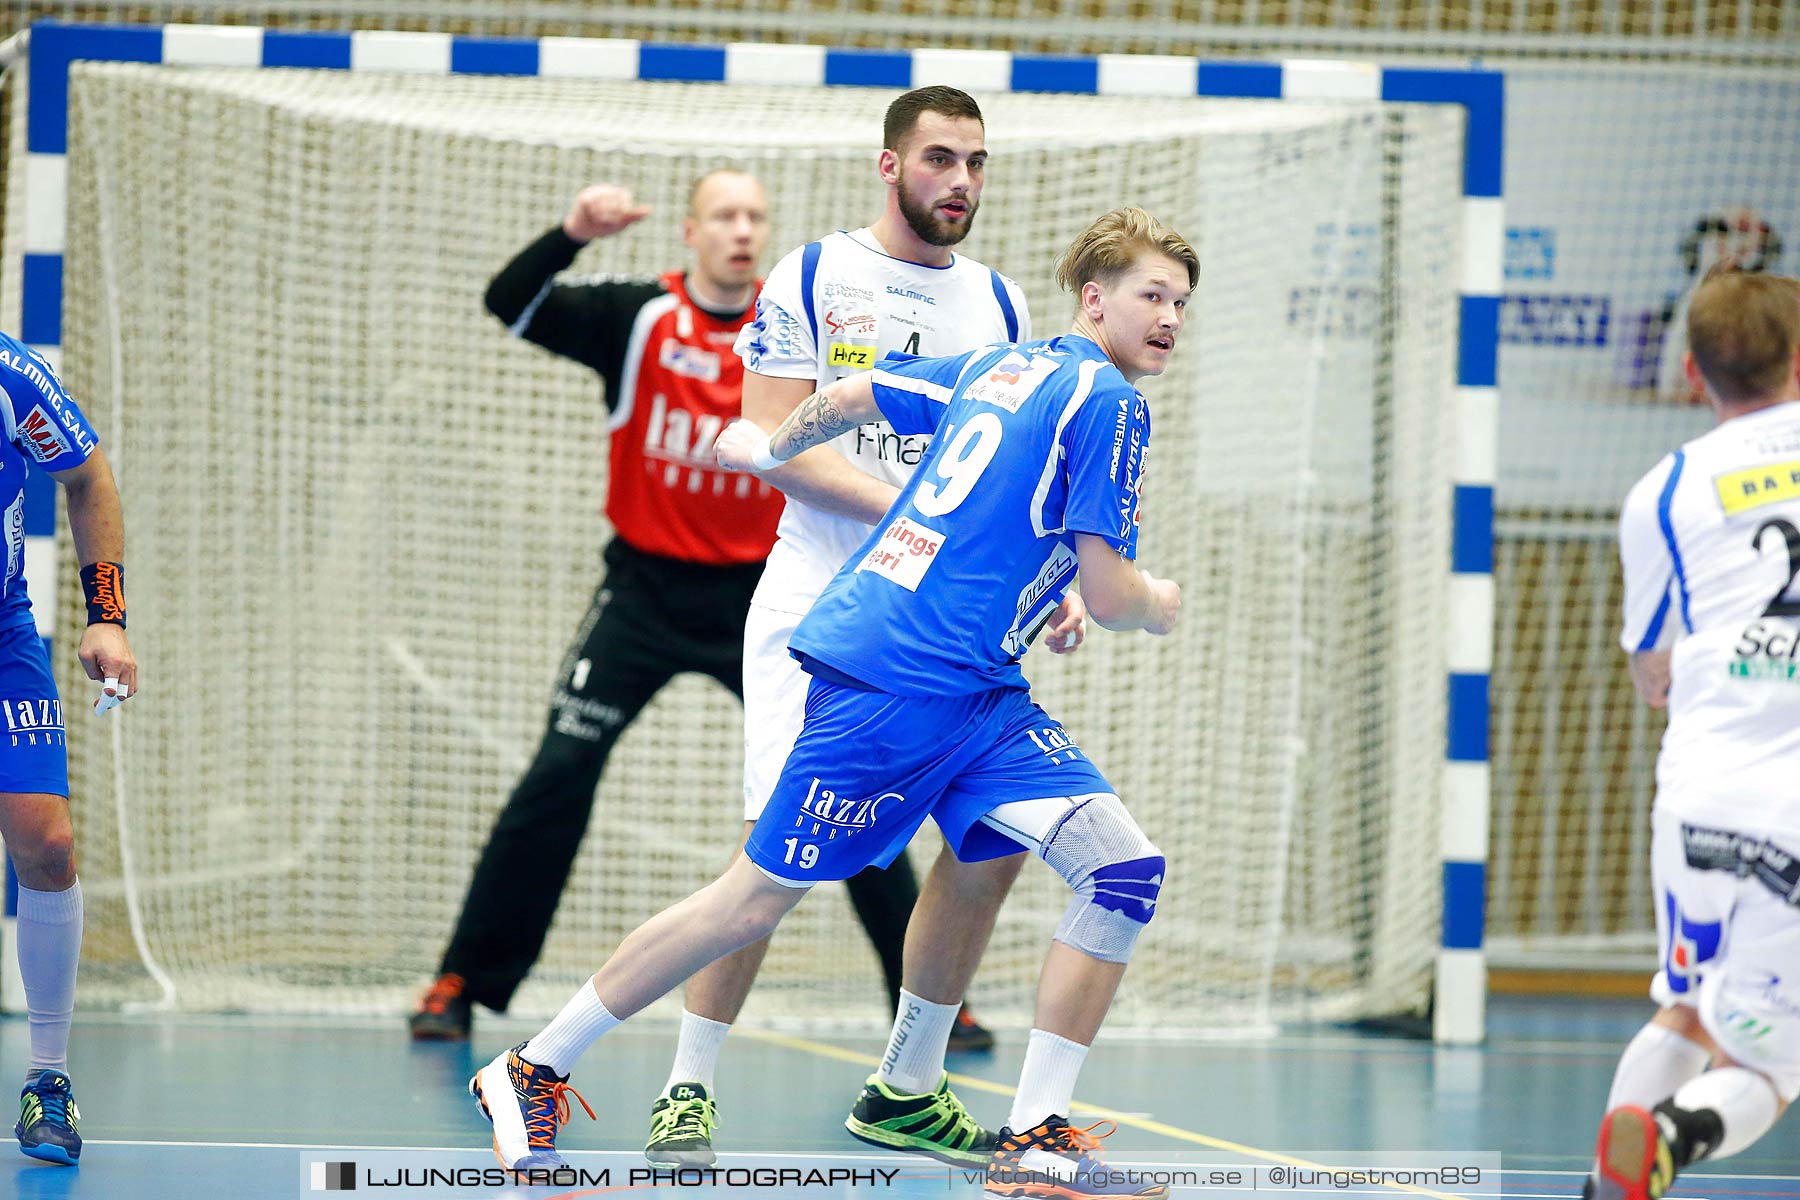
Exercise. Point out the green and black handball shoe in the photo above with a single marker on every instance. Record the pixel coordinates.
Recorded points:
(935, 1124)
(47, 1117)
(681, 1125)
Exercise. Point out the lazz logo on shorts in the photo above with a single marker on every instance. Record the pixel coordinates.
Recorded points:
(33, 719)
(828, 808)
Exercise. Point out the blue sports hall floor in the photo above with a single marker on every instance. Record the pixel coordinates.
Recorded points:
(217, 1108)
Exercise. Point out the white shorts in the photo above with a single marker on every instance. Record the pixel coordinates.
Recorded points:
(774, 703)
(1728, 942)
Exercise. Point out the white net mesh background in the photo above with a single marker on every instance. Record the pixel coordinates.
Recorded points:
(363, 524)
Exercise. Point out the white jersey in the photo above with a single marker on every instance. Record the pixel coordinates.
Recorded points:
(835, 307)
(1710, 542)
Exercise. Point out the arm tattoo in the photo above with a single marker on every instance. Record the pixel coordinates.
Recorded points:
(819, 418)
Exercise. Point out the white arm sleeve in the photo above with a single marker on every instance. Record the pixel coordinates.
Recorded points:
(1653, 603)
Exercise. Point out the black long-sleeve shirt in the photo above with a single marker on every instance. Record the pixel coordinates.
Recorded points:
(589, 321)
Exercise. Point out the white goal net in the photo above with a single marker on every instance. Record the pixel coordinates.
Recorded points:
(363, 524)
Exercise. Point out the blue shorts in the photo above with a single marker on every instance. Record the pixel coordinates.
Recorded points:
(869, 767)
(34, 753)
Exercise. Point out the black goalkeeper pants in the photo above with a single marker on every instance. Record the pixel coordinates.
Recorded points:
(651, 619)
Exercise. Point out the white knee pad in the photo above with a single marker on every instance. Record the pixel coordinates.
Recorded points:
(1115, 870)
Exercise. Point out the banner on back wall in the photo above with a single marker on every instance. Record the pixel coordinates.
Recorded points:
(1623, 185)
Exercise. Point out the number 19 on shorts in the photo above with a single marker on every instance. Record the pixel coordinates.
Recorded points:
(808, 854)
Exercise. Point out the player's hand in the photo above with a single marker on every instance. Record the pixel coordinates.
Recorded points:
(106, 657)
(1067, 627)
(737, 445)
(1651, 676)
(1165, 605)
(602, 210)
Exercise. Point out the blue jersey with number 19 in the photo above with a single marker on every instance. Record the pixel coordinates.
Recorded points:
(1032, 444)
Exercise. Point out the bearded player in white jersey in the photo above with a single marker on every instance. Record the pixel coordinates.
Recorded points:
(1710, 542)
(829, 309)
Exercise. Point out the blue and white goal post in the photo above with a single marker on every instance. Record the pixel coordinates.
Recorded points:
(1461, 976)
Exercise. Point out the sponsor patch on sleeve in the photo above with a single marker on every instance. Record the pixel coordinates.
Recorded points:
(41, 436)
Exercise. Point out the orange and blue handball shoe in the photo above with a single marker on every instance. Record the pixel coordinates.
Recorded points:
(1058, 1161)
(1633, 1160)
(526, 1105)
(47, 1118)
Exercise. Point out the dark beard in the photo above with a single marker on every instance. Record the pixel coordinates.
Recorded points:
(928, 226)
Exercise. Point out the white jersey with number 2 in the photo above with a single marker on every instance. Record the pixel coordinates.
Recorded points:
(1710, 543)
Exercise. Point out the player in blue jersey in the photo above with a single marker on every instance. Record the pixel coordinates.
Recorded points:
(917, 705)
(44, 427)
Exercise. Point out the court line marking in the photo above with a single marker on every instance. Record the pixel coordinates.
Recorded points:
(1116, 1116)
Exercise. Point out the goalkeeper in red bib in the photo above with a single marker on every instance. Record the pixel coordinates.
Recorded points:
(917, 706)
(689, 545)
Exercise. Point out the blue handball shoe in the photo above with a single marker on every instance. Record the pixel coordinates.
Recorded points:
(47, 1117)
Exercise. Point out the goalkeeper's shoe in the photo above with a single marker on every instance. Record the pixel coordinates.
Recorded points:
(47, 1119)
(1633, 1160)
(1058, 1161)
(969, 1036)
(934, 1124)
(526, 1104)
(444, 1013)
(681, 1125)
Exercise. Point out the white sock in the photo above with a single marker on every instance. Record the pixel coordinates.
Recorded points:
(913, 1063)
(697, 1051)
(1657, 1061)
(49, 951)
(566, 1038)
(1047, 1081)
(1745, 1101)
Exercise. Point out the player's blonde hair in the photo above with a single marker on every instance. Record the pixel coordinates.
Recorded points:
(1110, 246)
(1744, 330)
